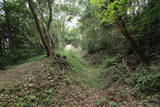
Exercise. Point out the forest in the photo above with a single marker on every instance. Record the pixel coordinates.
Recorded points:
(79, 53)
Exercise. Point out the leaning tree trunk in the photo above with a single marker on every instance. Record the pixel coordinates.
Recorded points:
(56, 59)
(40, 30)
(122, 26)
(132, 41)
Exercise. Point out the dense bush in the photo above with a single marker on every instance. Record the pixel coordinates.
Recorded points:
(17, 33)
(108, 61)
(19, 56)
(146, 79)
(114, 74)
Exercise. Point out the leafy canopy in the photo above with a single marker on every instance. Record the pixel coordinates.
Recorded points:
(109, 11)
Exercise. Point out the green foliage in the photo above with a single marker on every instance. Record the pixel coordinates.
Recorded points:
(111, 71)
(114, 74)
(75, 62)
(35, 58)
(17, 34)
(72, 37)
(7, 65)
(115, 9)
(81, 68)
(100, 101)
(108, 61)
(95, 35)
(96, 31)
(144, 23)
(95, 2)
(19, 39)
(146, 80)
(113, 104)
(50, 88)
(109, 11)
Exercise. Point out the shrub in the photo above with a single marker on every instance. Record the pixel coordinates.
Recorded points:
(146, 80)
(114, 74)
(108, 61)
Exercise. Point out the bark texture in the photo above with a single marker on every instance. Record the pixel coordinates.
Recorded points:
(133, 44)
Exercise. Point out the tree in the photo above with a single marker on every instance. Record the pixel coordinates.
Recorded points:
(17, 34)
(44, 31)
(146, 25)
(115, 12)
(97, 36)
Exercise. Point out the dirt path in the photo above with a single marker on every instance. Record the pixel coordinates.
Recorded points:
(95, 93)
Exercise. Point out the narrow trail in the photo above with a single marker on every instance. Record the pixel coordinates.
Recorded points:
(94, 83)
(94, 89)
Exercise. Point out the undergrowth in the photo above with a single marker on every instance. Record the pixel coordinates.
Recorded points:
(48, 87)
(89, 74)
(143, 83)
(11, 66)
(75, 62)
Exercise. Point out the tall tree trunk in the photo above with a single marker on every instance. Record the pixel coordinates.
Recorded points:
(44, 32)
(121, 24)
(1, 48)
(9, 32)
(40, 29)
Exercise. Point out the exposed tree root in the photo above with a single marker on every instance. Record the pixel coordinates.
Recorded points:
(60, 61)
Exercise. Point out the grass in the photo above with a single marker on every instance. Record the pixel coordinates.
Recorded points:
(95, 79)
(76, 63)
(34, 58)
(89, 74)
